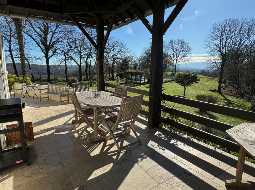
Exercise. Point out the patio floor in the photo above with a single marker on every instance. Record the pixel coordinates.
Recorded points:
(63, 160)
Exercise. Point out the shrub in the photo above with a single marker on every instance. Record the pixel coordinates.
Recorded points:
(186, 80)
(14, 79)
(207, 98)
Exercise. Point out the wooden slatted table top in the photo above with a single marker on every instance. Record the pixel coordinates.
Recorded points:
(244, 134)
(98, 99)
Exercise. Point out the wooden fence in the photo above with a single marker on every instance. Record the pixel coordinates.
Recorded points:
(196, 118)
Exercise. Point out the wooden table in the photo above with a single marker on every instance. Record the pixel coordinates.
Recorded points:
(98, 101)
(31, 90)
(243, 134)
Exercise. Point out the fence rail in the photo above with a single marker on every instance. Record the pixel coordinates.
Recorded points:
(225, 110)
(205, 121)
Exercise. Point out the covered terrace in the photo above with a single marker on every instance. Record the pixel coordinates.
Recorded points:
(167, 159)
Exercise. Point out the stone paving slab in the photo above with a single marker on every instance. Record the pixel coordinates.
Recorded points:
(64, 160)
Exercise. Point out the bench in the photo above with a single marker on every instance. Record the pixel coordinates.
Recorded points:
(244, 135)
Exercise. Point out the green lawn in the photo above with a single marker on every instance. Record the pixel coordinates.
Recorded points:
(205, 86)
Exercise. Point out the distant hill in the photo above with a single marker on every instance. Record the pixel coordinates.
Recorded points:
(38, 70)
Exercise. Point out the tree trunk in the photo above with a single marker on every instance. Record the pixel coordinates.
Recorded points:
(19, 32)
(66, 69)
(223, 59)
(112, 71)
(30, 69)
(86, 71)
(184, 91)
(80, 72)
(89, 70)
(13, 61)
(47, 59)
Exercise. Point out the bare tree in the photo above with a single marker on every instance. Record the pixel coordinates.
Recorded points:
(65, 49)
(226, 39)
(18, 22)
(115, 51)
(144, 61)
(81, 52)
(47, 36)
(9, 36)
(177, 51)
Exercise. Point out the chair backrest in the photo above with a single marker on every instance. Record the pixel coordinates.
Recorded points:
(82, 87)
(51, 88)
(129, 109)
(76, 103)
(120, 91)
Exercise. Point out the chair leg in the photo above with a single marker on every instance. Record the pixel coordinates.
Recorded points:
(136, 135)
(114, 139)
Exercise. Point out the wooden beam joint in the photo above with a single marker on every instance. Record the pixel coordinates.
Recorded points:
(84, 32)
(141, 16)
(174, 14)
(108, 32)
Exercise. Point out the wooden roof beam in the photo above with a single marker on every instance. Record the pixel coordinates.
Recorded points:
(109, 29)
(141, 16)
(84, 32)
(179, 6)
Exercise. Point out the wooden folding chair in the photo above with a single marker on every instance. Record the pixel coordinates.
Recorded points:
(120, 91)
(125, 119)
(83, 114)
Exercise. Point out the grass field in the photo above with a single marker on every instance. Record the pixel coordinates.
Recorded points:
(205, 86)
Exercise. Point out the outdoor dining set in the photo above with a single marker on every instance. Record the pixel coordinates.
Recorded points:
(107, 115)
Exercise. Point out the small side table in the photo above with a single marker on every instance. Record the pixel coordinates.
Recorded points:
(244, 135)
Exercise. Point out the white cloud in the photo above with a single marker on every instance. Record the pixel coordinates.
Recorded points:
(201, 58)
(196, 13)
(130, 30)
(181, 26)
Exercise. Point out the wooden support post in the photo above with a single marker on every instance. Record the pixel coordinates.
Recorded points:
(156, 69)
(100, 54)
(237, 182)
(240, 163)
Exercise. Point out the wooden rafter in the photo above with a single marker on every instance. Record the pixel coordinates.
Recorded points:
(84, 32)
(143, 19)
(109, 29)
(174, 14)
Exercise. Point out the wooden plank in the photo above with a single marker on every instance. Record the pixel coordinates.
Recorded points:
(235, 112)
(198, 119)
(230, 145)
(240, 164)
(244, 134)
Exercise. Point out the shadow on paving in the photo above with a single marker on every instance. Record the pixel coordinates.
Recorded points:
(68, 162)
(52, 118)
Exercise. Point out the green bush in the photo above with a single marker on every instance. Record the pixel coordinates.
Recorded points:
(14, 79)
(207, 98)
(186, 80)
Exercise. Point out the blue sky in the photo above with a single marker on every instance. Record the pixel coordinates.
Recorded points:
(193, 24)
